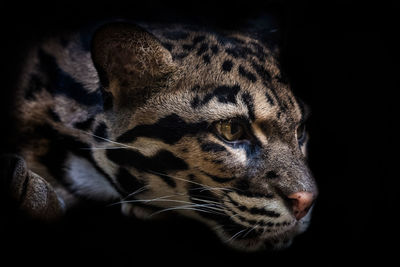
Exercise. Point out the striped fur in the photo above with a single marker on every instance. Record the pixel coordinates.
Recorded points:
(124, 114)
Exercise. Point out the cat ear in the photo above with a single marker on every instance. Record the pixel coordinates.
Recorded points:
(132, 64)
(267, 28)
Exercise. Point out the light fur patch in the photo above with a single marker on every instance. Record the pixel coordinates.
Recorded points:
(87, 181)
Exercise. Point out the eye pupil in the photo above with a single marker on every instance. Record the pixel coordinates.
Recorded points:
(229, 130)
(234, 128)
(226, 128)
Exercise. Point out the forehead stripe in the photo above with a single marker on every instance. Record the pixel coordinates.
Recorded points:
(225, 94)
(269, 99)
(249, 102)
(266, 78)
(247, 74)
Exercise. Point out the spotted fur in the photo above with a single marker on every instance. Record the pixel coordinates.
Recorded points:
(124, 114)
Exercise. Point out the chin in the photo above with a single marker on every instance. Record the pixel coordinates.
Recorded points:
(271, 242)
(252, 239)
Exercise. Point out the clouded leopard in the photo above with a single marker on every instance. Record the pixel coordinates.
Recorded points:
(163, 118)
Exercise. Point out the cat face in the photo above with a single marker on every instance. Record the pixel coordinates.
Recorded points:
(208, 129)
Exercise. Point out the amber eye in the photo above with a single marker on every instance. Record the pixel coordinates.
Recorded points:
(301, 132)
(230, 130)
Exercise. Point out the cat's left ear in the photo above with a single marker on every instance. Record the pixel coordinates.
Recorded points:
(266, 28)
(132, 64)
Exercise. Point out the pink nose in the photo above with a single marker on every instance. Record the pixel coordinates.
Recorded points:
(301, 203)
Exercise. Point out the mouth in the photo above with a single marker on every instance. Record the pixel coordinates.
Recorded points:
(260, 238)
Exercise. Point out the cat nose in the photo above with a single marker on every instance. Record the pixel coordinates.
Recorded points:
(301, 203)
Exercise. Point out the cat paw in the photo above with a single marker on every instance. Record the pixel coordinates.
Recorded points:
(27, 191)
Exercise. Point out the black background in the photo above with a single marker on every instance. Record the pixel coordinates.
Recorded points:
(342, 60)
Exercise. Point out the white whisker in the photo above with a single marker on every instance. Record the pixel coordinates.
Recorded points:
(164, 199)
(104, 148)
(140, 190)
(210, 198)
(204, 187)
(235, 236)
(251, 229)
(109, 141)
(207, 201)
(195, 207)
(209, 188)
(233, 216)
(143, 188)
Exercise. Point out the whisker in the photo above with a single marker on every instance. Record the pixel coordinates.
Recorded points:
(209, 188)
(251, 229)
(177, 178)
(208, 206)
(209, 198)
(235, 236)
(188, 207)
(140, 190)
(207, 201)
(163, 198)
(216, 205)
(188, 181)
(108, 140)
(233, 216)
(105, 148)
(143, 188)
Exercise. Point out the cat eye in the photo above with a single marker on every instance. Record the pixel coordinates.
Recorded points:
(230, 130)
(301, 132)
